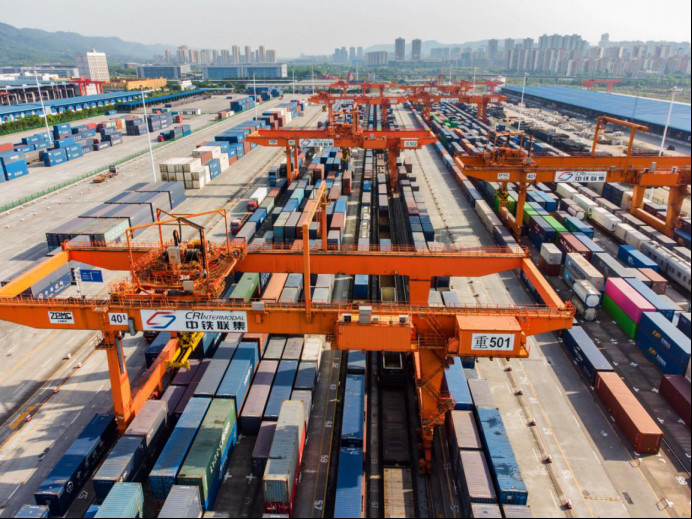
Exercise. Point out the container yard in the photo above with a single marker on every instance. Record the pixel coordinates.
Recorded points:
(371, 304)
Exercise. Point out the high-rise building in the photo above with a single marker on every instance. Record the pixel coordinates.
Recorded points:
(271, 56)
(376, 59)
(183, 54)
(416, 46)
(225, 57)
(400, 49)
(93, 65)
(235, 52)
(359, 52)
(168, 56)
(605, 38)
(261, 54)
(509, 45)
(493, 46)
(351, 53)
(248, 54)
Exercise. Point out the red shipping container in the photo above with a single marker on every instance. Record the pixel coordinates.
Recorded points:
(548, 269)
(568, 243)
(658, 282)
(676, 390)
(337, 221)
(6, 147)
(231, 160)
(346, 183)
(246, 147)
(205, 156)
(634, 422)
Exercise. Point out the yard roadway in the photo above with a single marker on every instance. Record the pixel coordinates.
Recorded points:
(21, 466)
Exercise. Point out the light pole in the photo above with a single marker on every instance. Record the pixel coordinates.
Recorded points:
(523, 89)
(151, 151)
(673, 91)
(254, 89)
(43, 109)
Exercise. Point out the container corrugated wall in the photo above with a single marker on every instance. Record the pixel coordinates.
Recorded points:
(348, 501)
(183, 502)
(124, 500)
(354, 411)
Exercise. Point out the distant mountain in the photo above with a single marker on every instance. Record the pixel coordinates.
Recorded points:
(32, 46)
(427, 46)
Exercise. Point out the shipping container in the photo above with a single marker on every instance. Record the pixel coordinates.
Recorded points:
(183, 502)
(32, 511)
(151, 423)
(263, 443)
(462, 431)
(634, 422)
(455, 380)
(517, 512)
(281, 390)
(484, 510)
(163, 476)
(676, 390)
(122, 464)
(481, 394)
(275, 348)
(627, 298)
(352, 425)
(348, 501)
(584, 353)
(356, 362)
(207, 460)
(663, 343)
(306, 376)
(503, 464)
(624, 321)
(473, 477)
(253, 410)
(124, 500)
(64, 482)
(236, 382)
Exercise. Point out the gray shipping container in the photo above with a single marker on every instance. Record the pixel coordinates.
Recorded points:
(151, 419)
(463, 431)
(182, 501)
(275, 348)
(305, 396)
(293, 349)
(481, 394)
(260, 453)
(253, 410)
(290, 295)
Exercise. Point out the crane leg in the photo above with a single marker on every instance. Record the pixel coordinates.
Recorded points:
(430, 363)
(676, 196)
(120, 382)
(519, 218)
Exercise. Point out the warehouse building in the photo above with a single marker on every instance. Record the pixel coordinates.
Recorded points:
(136, 84)
(642, 110)
(246, 71)
(163, 71)
(58, 106)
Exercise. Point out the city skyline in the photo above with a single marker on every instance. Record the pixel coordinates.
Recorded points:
(515, 22)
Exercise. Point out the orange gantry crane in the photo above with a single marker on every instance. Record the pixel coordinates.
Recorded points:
(343, 136)
(364, 86)
(503, 164)
(590, 83)
(177, 286)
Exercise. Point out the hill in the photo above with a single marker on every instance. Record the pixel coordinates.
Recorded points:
(33, 46)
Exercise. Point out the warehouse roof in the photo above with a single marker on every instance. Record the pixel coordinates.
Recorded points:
(640, 109)
(69, 101)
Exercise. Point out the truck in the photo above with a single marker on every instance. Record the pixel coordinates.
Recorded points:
(237, 223)
(257, 198)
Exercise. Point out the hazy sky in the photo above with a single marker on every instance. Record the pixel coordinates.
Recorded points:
(317, 26)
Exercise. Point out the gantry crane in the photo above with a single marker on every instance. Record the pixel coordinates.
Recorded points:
(364, 86)
(343, 136)
(177, 286)
(502, 163)
(589, 83)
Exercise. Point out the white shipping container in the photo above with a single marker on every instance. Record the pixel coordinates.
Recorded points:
(626, 203)
(551, 253)
(192, 164)
(565, 190)
(622, 230)
(223, 161)
(576, 211)
(580, 268)
(635, 239)
(587, 293)
(604, 218)
(312, 349)
(586, 313)
(214, 150)
(585, 203)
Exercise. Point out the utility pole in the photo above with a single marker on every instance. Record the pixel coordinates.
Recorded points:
(673, 91)
(523, 89)
(151, 151)
(43, 109)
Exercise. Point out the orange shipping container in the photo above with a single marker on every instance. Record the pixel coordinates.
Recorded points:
(276, 284)
(658, 282)
(634, 422)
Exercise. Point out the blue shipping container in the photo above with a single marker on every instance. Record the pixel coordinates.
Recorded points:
(353, 414)
(631, 257)
(503, 463)
(66, 479)
(685, 324)
(236, 382)
(356, 362)
(348, 501)
(162, 476)
(458, 386)
(281, 390)
(121, 464)
(663, 343)
(156, 347)
(661, 305)
(306, 376)
(584, 353)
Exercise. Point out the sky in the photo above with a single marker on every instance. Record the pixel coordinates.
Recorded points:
(318, 26)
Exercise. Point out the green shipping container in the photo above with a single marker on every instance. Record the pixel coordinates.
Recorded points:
(528, 213)
(246, 287)
(210, 450)
(619, 316)
(555, 224)
(124, 500)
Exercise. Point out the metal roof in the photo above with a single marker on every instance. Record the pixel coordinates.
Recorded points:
(69, 101)
(640, 109)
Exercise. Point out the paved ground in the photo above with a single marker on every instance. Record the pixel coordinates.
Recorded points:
(591, 465)
(23, 381)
